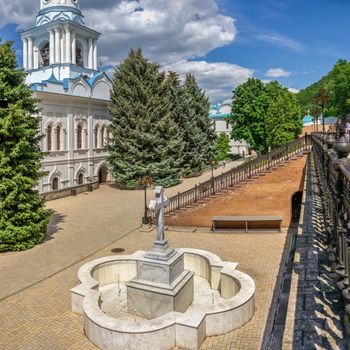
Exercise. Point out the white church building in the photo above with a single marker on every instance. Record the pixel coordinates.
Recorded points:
(60, 58)
(219, 114)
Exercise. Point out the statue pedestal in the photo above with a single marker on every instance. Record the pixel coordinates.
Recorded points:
(161, 286)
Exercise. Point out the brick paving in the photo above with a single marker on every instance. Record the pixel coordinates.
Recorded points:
(80, 226)
(39, 317)
(270, 194)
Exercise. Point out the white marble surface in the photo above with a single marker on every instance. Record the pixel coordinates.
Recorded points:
(231, 310)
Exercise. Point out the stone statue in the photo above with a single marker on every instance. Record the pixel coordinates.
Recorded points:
(161, 249)
(158, 205)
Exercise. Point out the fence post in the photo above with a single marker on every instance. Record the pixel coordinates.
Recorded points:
(195, 193)
(178, 200)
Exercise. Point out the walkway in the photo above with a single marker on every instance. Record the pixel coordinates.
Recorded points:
(313, 314)
(40, 317)
(270, 194)
(80, 227)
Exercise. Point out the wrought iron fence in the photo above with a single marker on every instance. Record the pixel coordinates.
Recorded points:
(239, 175)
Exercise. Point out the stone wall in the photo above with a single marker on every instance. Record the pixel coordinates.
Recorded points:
(72, 191)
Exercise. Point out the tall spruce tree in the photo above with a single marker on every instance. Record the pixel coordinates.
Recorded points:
(145, 139)
(199, 136)
(23, 217)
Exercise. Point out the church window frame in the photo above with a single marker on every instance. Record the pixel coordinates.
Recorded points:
(55, 184)
(49, 138)
(44, 53)
(97, 127)
(79, 136)
(81, 179)
(103, 128)
(58, 138)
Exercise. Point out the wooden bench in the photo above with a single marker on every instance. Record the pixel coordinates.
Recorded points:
(247, 223)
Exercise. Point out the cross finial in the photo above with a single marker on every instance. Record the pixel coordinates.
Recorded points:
(161, 248)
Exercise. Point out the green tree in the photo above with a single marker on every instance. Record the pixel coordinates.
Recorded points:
(249, 108)
(266, 115)
(283, 116)
(145, 139)
(199, 136)
(23, 217)
(223, 146)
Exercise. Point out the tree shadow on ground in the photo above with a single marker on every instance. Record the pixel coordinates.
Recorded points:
(54, 226)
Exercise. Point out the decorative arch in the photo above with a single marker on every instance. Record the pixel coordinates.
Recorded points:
(80, 131)
(96, 133)
(44, 52)
(102, 172)
(81, 52)
(48, 136)
(80, 87)
(55, 174)
(80, 171)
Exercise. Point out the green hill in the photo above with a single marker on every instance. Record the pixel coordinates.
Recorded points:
(337, 86)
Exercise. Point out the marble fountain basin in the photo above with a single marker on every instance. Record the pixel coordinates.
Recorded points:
(224, 301)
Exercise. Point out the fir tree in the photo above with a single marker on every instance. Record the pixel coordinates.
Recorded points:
(145, 140)
(23, 217)
(199, 137)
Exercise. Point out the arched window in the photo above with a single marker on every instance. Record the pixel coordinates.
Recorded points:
(102, 137)
(79, 137)
(49, 138)
(58, 138)
(44, 58)
(96, 136)
(80, 179)
(55, 184)
(79, 55)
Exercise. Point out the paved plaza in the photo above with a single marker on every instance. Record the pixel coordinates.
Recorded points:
(35, 309)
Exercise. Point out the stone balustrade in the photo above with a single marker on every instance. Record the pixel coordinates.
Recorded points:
(333, 164)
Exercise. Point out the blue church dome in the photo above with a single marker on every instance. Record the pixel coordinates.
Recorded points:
(308, 119)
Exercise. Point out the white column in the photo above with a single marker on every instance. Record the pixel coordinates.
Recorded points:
(95, 54)
(57, 45)
(90, 58)
(74, 48)
(36, 57)
(63, 43)
(52, 46)
(68, 46)
(30, 53)
(25, 53)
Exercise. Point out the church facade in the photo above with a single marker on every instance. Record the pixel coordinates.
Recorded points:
(60, 58)
(219, 114)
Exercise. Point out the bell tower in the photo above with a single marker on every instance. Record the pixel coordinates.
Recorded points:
(60, 45)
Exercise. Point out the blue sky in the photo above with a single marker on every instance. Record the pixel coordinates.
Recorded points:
(223, 42)
(302, 37)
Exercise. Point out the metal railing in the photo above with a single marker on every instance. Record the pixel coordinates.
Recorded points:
(239, 175)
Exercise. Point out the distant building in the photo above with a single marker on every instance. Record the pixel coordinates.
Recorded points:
(311, 124)
(219, 115)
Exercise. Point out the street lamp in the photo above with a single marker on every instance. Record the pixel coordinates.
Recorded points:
(145, 182)
(323, 100)
(212, 163)
(315, 113)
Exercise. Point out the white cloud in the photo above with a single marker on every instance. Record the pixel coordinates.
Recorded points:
(218, 79)
(282, 41)
(294, 91)
(170, 32)
(277, 73)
